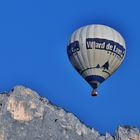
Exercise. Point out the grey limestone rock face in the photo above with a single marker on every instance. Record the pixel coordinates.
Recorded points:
(127, 133)
(24, 115)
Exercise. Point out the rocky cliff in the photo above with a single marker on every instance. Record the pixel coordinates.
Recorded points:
(24, 115)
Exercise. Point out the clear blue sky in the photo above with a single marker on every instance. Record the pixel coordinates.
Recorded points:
(33, 40)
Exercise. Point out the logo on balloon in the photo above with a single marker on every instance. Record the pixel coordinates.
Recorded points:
(73, 48)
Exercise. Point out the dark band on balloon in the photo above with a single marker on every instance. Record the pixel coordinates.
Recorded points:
(97, 43)
(93, 79)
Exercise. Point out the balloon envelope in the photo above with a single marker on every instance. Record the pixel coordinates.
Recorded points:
(96, 51)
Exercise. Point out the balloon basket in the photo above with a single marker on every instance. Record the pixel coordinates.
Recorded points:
(94, 93)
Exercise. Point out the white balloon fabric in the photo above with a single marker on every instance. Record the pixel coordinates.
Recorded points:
(96, 51)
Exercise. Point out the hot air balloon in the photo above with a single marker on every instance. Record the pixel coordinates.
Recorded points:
(96, 51)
